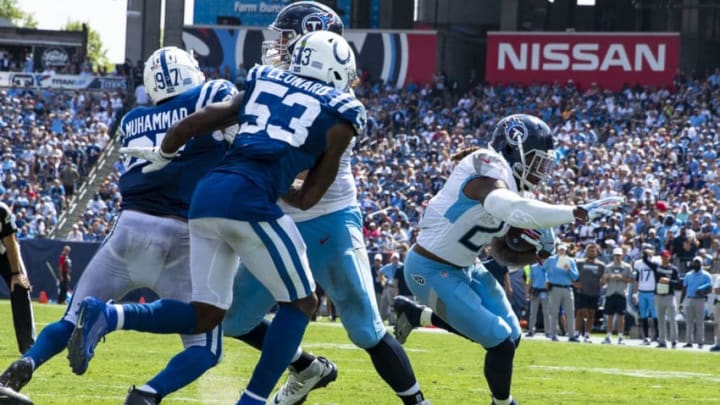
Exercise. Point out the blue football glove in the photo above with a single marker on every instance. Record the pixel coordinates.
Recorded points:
(602, 207)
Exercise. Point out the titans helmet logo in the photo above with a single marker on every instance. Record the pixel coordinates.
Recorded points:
(515, 131)
(317, 22)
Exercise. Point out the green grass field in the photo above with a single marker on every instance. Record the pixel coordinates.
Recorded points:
(449, 370)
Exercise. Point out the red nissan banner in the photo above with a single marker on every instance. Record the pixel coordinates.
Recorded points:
(609, 59)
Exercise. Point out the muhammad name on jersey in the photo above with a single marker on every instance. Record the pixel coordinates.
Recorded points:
(156, 122)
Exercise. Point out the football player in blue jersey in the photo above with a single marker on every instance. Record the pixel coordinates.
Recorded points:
(475, 208)
(332, 230)
(290, 122)
(149, 245)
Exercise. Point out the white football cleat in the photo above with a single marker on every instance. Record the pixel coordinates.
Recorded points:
(319, 374)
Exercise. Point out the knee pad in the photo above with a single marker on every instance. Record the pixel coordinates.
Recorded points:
(365, 337)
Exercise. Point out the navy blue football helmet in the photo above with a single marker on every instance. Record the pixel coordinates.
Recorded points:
(294, 21)
(526, 142)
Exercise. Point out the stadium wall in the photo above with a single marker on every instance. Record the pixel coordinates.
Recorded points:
(395, 57)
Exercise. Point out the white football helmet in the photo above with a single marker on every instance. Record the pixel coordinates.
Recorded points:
(170, 71)
(325, 56)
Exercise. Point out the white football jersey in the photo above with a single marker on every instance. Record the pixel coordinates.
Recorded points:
(455, 227)
(646, 277)
(341, 194)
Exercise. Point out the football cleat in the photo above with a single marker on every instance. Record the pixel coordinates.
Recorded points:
(12, 397)
(92, 325)
(137, 397)
(645, 342)
(621, 341)
(688, 345)
(17, 375)
(715, 348)
(408, 317)
(319, 374)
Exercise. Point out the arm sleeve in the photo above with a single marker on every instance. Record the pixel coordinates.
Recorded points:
(524, 212)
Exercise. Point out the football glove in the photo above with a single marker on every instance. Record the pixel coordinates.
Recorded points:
(602, 207)
(153, 154)
(543, 240)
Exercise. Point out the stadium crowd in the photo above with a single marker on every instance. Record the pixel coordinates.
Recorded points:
(50, 140)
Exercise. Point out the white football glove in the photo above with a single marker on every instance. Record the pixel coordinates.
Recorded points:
(153, 154)
(543, 240)
(602, 207)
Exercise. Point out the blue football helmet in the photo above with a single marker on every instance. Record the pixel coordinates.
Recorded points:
(526, 142)
(294, 21)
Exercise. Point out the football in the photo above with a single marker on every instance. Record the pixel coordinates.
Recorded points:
(515, 242)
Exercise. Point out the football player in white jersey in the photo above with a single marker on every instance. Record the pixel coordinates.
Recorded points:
(477, 205)
(332, 231)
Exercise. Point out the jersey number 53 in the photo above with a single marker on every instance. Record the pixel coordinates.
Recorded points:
(297, 131)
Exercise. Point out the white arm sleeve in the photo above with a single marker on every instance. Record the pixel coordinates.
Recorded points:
(524, 212)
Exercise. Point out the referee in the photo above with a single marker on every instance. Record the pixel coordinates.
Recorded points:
(13, 271)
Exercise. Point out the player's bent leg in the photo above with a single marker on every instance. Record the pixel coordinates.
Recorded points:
(289, 281)
(495, 300)
(51, 341)
(498, 370)
(251, 302)
(202, 352)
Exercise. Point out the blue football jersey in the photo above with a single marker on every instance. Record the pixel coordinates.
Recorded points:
(284, 122)
(169, 191)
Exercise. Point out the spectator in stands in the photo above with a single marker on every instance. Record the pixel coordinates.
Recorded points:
(75, 235)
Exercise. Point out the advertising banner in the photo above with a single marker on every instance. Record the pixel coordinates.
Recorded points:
(609, 59)
(55, 56)
(69, 82)
(395, 57)
(252, 13)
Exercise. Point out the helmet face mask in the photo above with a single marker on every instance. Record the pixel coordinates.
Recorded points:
(292, 22)
(170, 71)
(526, 144)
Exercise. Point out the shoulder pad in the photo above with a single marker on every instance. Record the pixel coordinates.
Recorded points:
(488, 163)
(349, 108)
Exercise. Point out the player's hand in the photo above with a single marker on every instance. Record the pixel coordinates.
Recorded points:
(19, 280)
(543, 240)
(153, 154)
(598, 208)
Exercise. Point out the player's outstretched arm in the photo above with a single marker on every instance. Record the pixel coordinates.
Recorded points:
(211, 118)
(323, 174)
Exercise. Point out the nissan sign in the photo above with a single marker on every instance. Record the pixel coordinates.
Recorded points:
(609, 59)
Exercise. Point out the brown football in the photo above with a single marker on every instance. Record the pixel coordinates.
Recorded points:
(515, 242)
